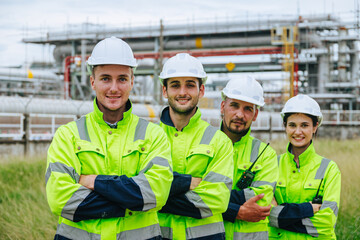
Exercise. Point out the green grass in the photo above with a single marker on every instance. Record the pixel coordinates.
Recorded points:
(24, 212)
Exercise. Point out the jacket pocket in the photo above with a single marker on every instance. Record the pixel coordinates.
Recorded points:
(280, 192)
(91, 157)
(311, 187)
(198, 160)
(133, 159)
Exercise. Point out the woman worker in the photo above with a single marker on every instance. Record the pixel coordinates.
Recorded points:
(307, 195)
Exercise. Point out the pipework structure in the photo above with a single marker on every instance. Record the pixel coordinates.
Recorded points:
(316, 55)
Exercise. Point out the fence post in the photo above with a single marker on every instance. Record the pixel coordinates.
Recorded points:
(26, 136)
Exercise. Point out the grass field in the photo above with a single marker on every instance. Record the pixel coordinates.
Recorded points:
(24, 213)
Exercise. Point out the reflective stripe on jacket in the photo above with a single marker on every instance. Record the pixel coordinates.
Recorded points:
(202, 151)
(266, 174)
(133, 165)
(294, 219)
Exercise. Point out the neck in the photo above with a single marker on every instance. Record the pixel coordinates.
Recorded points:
(180, 120)
(297, 151)
(234, 137)
(111, 116)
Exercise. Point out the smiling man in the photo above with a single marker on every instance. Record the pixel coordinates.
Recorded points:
(201, 155)
(110, 171)
(252, 190)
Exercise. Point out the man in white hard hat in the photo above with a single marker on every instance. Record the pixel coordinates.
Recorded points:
(110, 171)
(201, 155)
(255, 171)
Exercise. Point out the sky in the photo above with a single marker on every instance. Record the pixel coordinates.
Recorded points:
(34, 18)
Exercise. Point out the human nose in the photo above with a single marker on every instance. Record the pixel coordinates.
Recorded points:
(298, 130)
(239, 114)
(182, 90)
(113, 86)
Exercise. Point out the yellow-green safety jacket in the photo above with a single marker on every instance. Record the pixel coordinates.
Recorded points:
(201, 151)
(133, 164)
(266, 175)
(294, 218)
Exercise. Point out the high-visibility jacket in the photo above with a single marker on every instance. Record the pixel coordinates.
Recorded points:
(294, 218)
(133, 164)
(201, 151)
(266, 174)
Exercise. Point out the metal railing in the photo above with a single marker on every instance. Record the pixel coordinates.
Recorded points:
(42, 127)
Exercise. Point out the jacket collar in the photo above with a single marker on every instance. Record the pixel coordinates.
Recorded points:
(244, 139)
(166, 119)
(305, 157)
(98, 115)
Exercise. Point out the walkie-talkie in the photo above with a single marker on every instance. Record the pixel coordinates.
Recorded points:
(248, 176)
(317, 198)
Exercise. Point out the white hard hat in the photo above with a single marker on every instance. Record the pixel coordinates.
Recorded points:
(183, 65)
(246, 89)
(302, 104)
(112, 51)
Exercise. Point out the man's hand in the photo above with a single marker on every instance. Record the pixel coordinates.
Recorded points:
(274, 202)
(194, 182)
(316, 207)
(250, 211)
(88, 181)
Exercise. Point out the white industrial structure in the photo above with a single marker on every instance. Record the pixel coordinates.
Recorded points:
(318, 56)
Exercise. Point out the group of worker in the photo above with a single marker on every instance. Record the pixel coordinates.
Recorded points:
(112, 175)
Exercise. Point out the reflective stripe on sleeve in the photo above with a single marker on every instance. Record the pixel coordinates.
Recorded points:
(310, 228)
(156, 160)
(195, 199)
(249, 193)
(167, 232)
(73, 203)
(274, 216)
(75, 233)
(204, 231)
(332, 205)
(208, 135)
(321, 170)
(148, 232)
(214, 177)
(140, 130)
(251, 235)
(82, 128)
(147, 193)
(61, 168)
(261, 183)
(255, 146)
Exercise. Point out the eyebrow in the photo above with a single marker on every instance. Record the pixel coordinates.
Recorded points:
(108, 75)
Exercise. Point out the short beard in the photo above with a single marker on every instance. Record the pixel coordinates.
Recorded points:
(183, 112)
(237, 132)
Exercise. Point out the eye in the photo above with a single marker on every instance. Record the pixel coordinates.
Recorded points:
(123, 79)
(175, 85)
(304, 125)
(105, 79)
(234, 105)
(249, 109)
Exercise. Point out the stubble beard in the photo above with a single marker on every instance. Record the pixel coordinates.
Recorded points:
(181, 111)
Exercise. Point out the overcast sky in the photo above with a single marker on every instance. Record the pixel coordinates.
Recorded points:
(33, 18)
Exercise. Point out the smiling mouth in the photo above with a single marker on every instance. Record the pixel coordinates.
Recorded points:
(113, 97)
(182, 100)
(297, 138)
